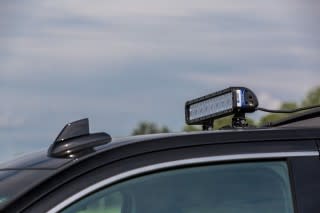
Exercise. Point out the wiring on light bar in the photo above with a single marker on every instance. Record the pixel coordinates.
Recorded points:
(287, 111)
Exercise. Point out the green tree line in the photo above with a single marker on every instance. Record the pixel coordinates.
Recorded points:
(311, 98)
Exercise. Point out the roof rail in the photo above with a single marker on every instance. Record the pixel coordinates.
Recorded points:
(310, 118)
(75, 141)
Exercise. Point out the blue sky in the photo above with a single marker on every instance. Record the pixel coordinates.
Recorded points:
(119, 62)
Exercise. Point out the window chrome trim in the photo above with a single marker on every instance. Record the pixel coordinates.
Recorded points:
(171, 164)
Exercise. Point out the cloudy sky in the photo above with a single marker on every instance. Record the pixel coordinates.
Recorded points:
(119, 62)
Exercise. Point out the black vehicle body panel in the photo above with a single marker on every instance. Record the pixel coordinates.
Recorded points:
(146, 150)
(34, 161)
(306, 175)
(147, 143)
(15, 183)
(125, 164)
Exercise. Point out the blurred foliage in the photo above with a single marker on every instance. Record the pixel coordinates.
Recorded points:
(289, 106)
(312, 98)
(146, 127)
(192, 128)
(272, 117)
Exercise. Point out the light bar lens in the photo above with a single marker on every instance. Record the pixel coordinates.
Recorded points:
(211, 106)
(233, 100)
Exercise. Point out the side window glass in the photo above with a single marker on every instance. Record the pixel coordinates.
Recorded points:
(104, 203)
(262, 187)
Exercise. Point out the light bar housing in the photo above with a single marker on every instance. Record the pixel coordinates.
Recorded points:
(220, 104)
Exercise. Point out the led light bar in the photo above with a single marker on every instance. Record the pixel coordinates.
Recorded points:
(219, 104)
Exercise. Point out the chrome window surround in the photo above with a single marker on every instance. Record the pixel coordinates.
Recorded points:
(171, 164)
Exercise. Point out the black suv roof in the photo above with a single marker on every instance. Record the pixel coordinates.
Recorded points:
(301, 126)
(297, 133)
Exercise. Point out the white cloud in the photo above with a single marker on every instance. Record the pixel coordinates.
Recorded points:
(142, 33)
(9, 120)
(100, 8)
(268, 101)
(292, 84)
(32, 56)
